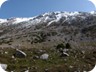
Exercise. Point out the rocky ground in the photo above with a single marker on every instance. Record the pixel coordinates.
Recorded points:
(43, 58)
(60, 58)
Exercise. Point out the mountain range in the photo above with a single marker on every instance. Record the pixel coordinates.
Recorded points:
(49, 28)
(50, 42)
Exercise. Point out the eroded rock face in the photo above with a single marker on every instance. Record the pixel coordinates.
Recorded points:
(20, 54)
(44, 56)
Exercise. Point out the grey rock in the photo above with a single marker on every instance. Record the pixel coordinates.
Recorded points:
(4, 66)
(83, 52)
(35, 57)
(44, 56)
(42, 51)
(46, 70)
(27, 71)
(71, 66)
(64, 54)
(65, 50)
(6, 52)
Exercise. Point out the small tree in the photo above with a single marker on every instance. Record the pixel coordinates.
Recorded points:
(68, 45)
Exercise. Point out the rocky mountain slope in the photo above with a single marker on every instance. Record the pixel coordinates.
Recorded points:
(50, 42)
(50, 27)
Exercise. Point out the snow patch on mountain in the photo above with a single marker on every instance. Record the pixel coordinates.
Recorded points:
(3, 20)
(48, 18)
(18, 20)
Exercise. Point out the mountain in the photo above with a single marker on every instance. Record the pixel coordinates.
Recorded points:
(50, 17)
(50, 42)
(73, 27)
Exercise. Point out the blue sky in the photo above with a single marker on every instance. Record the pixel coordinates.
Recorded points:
(29, 8)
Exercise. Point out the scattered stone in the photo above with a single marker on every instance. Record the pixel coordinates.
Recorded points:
(65, 50)
(83, 52)
(46, 70)
(35, 57)
(71, 66)
(60, 50)
(39, 52)
(27, 71)
(64, 54)
(44, 56)
(42, 51)
(13, 57)
(6, 52)
(65, 59)
(19, 54)
(34, 68)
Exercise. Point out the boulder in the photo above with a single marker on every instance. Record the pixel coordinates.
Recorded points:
(64, 54)
(44, 56)
(4, 66)
(19, 54)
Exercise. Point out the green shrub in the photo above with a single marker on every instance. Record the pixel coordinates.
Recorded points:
(67, 45)
(60, 46)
